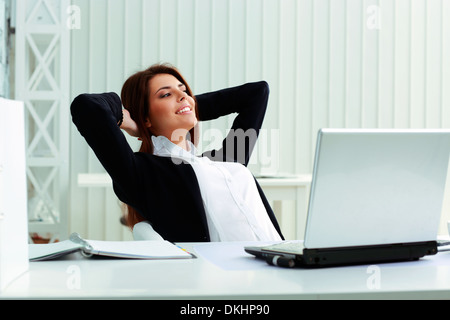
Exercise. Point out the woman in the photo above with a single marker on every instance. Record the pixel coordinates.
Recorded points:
(186, 198)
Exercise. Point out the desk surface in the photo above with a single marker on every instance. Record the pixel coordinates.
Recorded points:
(231, 275)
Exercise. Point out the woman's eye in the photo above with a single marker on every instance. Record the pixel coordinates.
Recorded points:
(165, 95)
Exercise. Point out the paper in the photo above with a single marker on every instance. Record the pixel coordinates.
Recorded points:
(231, 255)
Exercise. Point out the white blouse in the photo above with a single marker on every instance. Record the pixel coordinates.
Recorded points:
(233, 206)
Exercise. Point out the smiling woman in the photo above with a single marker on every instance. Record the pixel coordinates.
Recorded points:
(164, 89)
(172, 108)
(186, 197)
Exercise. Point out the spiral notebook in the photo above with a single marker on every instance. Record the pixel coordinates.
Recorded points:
(153, 249)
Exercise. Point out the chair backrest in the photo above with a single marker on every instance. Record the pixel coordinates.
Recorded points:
(144, 231)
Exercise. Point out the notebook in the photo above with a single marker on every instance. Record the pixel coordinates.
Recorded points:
(376, 196)
(150, 249)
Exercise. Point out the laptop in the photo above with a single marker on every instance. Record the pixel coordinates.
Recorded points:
(376, 196)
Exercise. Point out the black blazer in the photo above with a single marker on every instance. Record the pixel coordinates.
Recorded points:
(164, 193)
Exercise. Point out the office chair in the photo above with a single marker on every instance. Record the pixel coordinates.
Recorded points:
(144, 231)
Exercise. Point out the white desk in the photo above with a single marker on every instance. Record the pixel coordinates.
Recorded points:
(235, 276)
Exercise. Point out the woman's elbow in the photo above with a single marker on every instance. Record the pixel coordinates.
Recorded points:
(262, 89)
(79, 104)
(265, 86)
(87, 108)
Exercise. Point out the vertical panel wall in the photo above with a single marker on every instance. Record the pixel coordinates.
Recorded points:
(329, 63)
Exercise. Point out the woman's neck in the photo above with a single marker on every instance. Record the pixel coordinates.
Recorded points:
(182, 143)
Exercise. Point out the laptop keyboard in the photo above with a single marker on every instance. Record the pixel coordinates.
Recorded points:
(294, 247)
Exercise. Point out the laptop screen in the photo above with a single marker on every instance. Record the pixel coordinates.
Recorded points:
(375, 187)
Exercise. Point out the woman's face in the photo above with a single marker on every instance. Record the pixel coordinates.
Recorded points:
(172, 110)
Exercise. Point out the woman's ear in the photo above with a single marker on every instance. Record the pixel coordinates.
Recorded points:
(148, 123)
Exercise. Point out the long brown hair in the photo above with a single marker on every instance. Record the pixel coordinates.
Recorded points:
(136, 99)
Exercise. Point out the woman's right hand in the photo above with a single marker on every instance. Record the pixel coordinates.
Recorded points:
(129, 125)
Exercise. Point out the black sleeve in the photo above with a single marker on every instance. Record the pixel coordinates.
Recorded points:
(250, 102)
(96, 117)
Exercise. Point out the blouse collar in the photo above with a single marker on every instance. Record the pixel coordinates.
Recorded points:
(165, 148)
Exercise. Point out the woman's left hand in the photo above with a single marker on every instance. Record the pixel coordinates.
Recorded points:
(129, 125)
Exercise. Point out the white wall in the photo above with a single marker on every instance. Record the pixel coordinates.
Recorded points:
(329, 63)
